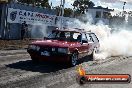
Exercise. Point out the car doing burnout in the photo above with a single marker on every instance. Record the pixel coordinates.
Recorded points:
(64, 46)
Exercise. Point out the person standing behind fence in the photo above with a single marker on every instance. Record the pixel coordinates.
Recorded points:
(24, 29)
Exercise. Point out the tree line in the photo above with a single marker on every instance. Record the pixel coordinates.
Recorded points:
(79, 6)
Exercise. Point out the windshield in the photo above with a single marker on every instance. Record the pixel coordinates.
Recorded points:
(65, 35)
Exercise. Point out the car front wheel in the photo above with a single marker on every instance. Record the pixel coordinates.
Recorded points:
(73, 60)
(34, 60)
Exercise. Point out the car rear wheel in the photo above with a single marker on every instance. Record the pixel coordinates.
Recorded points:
(92, 58)
(73, 60)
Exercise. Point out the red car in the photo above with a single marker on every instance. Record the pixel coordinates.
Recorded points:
(64, 46)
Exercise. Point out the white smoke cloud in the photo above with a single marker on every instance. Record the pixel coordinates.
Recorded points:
(39, 30)
(111, 44)
(117, 44)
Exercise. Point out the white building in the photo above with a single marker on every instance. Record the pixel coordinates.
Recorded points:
(99, 13)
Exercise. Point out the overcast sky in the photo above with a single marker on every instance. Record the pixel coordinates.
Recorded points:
(113, 4)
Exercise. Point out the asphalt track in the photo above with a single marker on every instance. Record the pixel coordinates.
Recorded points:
(18, 71)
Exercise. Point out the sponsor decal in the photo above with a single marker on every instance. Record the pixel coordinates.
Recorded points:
(13, 15)
(83, 77)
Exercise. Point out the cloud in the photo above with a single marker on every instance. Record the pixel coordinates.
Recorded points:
(114, 4)
(69, 1)
(114, 1)
(128, 1)
(108, 1)
(104, 4)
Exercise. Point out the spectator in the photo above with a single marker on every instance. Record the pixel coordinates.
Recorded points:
(24, 29)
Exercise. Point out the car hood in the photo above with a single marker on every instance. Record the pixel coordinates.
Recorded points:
(54, 43)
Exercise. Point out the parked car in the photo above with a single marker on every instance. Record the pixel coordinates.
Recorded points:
(64, 46)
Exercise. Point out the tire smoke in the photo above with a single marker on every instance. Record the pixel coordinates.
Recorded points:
(112, 42)
(38, 30)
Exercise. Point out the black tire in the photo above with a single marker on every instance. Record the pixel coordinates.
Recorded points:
(34, 60)
(91, 57)
(74, 59)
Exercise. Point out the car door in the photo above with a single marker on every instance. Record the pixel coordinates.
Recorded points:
(96, 44)
(90, 42)
(95, 39)
(84, 45)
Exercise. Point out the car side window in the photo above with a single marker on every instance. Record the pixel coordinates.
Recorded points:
(95, 39)
(52, 35)
(84, 38)
(89, 37)
(77, 36)
(60, 35)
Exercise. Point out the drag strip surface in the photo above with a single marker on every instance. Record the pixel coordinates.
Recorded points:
(17, 70)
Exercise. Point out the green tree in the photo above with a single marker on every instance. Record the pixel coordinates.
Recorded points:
(91, 4)
(58, 9)
(81, 5)
(68, 12)
(43, 3)
(26, 1)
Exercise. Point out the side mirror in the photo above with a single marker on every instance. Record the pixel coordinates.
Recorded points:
(45, 38)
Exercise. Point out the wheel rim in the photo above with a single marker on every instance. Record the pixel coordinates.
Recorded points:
(95, 51)
(74, 59)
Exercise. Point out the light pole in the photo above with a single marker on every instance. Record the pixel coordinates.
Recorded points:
(123, 8)
(61, 13)
(124, 5)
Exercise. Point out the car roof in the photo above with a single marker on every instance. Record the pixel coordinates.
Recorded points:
(77, 30)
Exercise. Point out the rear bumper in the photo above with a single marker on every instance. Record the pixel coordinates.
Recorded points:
(54, 57)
